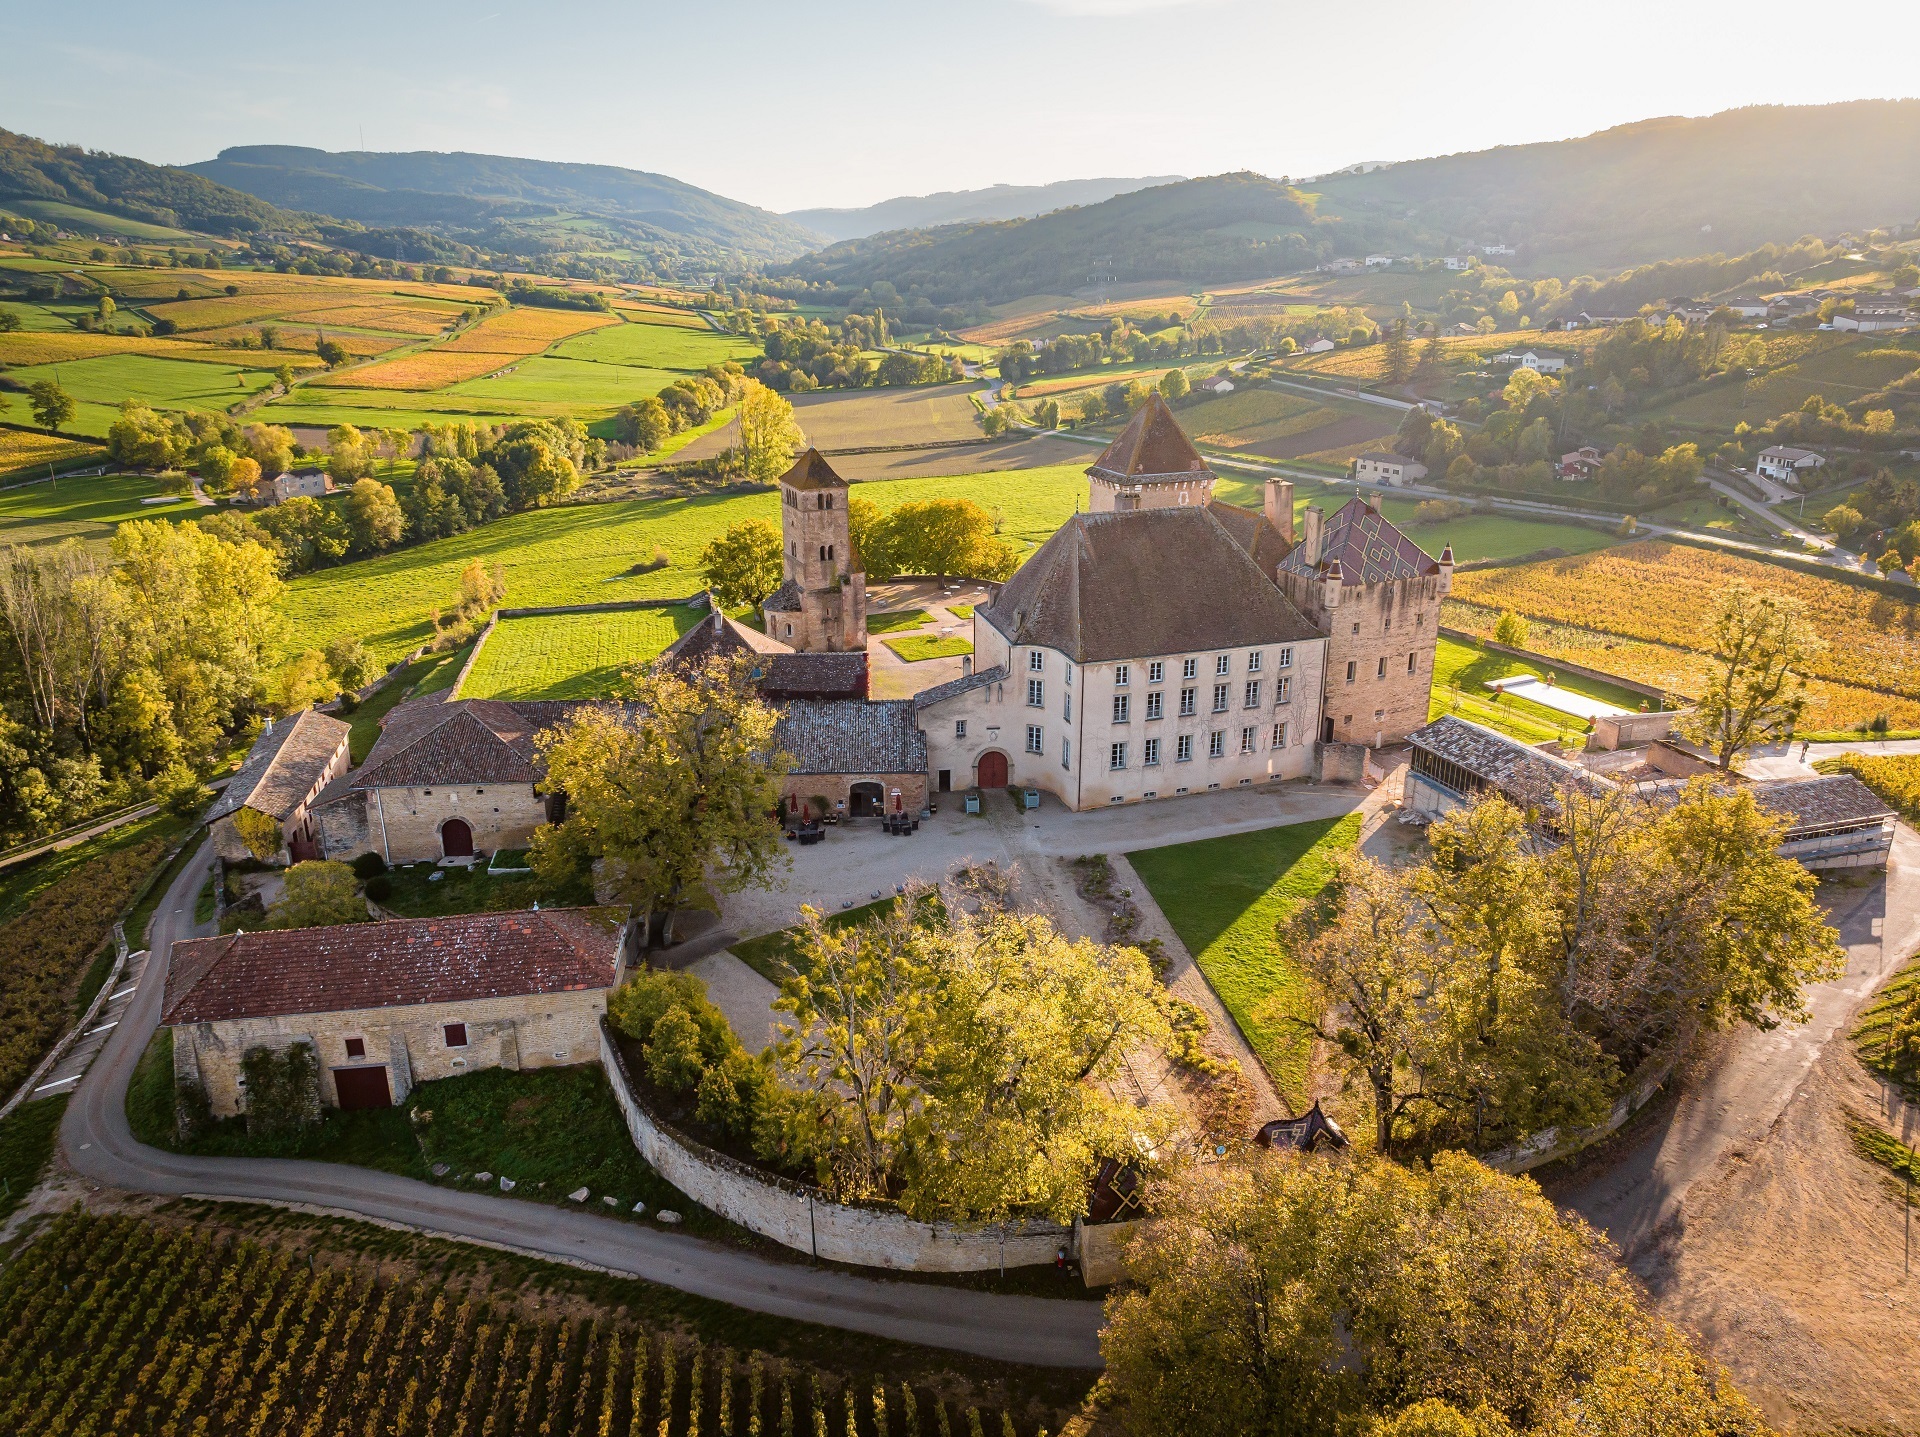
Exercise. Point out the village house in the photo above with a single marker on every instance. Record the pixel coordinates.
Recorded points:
(1457, 261)
(294, 484)
(1322, 345)
(1787, 464)
(1391, 469)
(1582, 463)
(1538, 361)
(1496, 249)
(387, 1005)
(283, 774)
(1873, 316)
(1748, 306)
(1379, 261)
(1215, 384)
(443, 780)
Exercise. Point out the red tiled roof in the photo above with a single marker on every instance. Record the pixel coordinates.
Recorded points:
(396, 963)
(1153, 445)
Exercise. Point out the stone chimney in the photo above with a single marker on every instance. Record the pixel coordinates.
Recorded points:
(966, 665)
(1278, 506)
(1314, 541)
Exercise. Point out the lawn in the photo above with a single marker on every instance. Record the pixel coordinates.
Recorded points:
(1225, 898)
(915, 648)
(99, 385)
(586, 553)
(89, 509)
(959, 611)
(772, 955)
(1462, 670)
(423, 890)
(893, 623)
(658, 346)
(568, 656)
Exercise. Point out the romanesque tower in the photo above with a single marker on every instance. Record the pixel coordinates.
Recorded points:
(1377, 594)
(1152, 465)
(822, 605)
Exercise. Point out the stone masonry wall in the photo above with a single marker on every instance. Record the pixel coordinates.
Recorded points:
(403, 824)
(1375, 695)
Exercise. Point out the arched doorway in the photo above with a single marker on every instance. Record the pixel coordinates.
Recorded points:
(993, 769)
(456, 838)
(866, 800)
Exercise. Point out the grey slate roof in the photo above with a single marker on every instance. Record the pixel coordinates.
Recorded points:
(1152, 446)
(846, 736)
(718, 634)
(1251, 531)
(1836, 800)
(780, 671)
(1143, 582)
(954, 688)
(811, 471)
(282, 767)
(1503, 762)
(785, 599)
(427, 741)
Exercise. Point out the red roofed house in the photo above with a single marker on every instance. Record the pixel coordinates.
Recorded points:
(387, 1005)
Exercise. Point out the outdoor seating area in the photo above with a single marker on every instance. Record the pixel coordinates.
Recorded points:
(899, 825)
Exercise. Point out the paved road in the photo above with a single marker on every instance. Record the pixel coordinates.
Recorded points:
(99, 1145)
(1637, 1201)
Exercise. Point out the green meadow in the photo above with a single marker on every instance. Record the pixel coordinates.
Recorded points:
(100, 384)
(88, 509)
(657, 346)
(570, 656)
(579, 383)
(1462, 671)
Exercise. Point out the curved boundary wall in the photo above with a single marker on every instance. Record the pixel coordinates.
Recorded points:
(1552, 1144)
(805, 1218)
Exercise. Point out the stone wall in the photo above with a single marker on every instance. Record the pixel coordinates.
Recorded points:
(403, 825)
(1555, 1143)
(837, 789)
(1340, 763)
(1380, 647)
(806, 1219)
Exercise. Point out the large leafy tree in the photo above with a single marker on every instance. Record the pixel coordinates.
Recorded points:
(769, 434)
(1281, 1295)
(318, 895)
(672, 801)
(1757, 692)
(52, 406)
(742, 566)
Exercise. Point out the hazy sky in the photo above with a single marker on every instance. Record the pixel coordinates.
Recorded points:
(796, 103)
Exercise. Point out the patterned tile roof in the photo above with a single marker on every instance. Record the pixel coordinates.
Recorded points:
(1368, 548)
(718, 634)
(396, 963)
(282, 767)
(1152, 446)
(851, 737)
(1835, 799)
(428, 741)
(811, 471)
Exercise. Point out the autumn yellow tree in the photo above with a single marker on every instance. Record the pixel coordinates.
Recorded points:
(1757, 690)
(769, 434)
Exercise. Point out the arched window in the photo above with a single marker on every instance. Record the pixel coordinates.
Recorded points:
(829, 551)
(823, 551)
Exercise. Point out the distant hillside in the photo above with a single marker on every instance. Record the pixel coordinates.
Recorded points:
(494, 200)
(30, 169)
(1240, 226)
(997, 202)
(1660, 189)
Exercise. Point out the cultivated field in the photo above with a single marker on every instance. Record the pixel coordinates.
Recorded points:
(1279, 424)
(659, 346)
(574, 385)
(525, 330)
(570, 656)
(63, 346)
(22, 449)
(425, 370)
(1369, 361)
(1839, 368)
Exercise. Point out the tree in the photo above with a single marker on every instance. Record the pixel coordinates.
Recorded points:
(1510, 629)
(9, 321)
(52, 406)
(743, 565)
(301, 682)
(1399, 348)
(105, 309)
(349, 455)
(677, 802)
(1276, 1295)
(350, 662)
(244, 477)
(318, 895)
(140, 438)
(1757, 692)
(283, 376)
(769, 434)
(374, 517)
(937, 536)
(1174, 386)
(481, 588)
(260, 832)
(1046, 414)
(270, 446)
(1523, 386)
(535, 462)
(332, 353)
(646, 424)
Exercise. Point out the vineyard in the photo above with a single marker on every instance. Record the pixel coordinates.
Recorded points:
(1666, 595)
(115, 1325)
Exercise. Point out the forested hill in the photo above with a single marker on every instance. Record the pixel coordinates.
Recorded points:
(1660, 189)
(30, 169)
(1240, 226)
(473, 195)
(996, 202)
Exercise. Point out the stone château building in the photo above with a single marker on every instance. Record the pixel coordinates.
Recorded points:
(821, 605)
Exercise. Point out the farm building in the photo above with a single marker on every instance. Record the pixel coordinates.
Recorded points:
(1582, 463)
(295, 484)
(1393, 469)
(1454, 762)
(1832, 822)
(853, 759)
(1218, 384)
(779, 672)
(1540, 362)
(1873, 317)
(1784, 462)
(386, 1005)
(285, 771)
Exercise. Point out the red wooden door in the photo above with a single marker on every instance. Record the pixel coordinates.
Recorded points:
(993, 769)
(362, 1088)
(456, 838)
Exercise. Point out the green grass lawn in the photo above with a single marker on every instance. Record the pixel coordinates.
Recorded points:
(585, 553)
(657, 346)
(26, 1143)
(959, 611)
(893, 623)
(414, 891)
(578, 383)
(98, 385)
(1224, 897)
(380, 408)
(88, 509)
(568, 656)
(915, 648)
(1462, 670)
(772, 955)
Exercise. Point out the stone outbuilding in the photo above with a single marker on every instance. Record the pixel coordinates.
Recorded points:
(387, 1005)
(861, 759)
(288, 766)
(444, 780)
(778, 672)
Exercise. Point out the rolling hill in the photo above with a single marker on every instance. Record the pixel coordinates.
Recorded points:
(997, 202)
(496, 200)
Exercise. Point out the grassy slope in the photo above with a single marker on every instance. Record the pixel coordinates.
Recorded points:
(570, 655)
(99, 385)
(89, 509)
(1224, 897)
(26, 1143)
(657, 346)
(1470, 667)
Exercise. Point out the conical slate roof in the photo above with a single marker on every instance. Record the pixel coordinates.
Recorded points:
(1152, 446)
(811, 471)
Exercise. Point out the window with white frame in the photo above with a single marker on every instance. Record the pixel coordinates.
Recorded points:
(1036, 661)
(1068, 714)
(1116, 755)
(1253, 661)
(1150, 753)
(959, 728)
(1217, 743)
(1223, 665)
(1122, 708)
(1247, 737)
(1283, 689)
(1156, 671)
(1280, 735)
(1154, 701)
(1122, 675)
(1284, 660)
(1188, 699)
(1190, 669)
(1253, 694)
(1036, 739)
(1183, 748)
(1219, 698)
(1036, 694)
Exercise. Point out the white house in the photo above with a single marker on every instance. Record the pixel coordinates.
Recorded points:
(1870, 317)
(1322, 345)
(1457, 261)
(1379, 261)
(1747, 306)
(1533, 359)
(1496, 249)
(1392, 469)
(295, 484)
(1785, 463)
(1339, 266)
(1218, 384)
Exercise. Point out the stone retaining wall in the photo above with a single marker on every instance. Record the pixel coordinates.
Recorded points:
(1552, 1144)
(805, 1218)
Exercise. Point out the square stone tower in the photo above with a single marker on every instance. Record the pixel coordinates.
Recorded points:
(822, 605)
(1377, 594)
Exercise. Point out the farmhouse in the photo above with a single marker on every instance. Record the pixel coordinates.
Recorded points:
(1747, 306)
(821, 605)
(1379, 261)
(1391, 469)
(284, 772)
(1582, 463)
(386, 1005)
(1871, 316)
(444, 780)
(1457, 261)
(1217, 384)
(1322, 345)
(295, 484)
(1540, 363)
(1783, 462)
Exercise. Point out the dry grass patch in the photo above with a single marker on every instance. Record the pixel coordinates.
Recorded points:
(27, 449)
(418, 318)
(527, 331)
(299, 344)
(429, 370)
(664, 314)
(60, 346)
